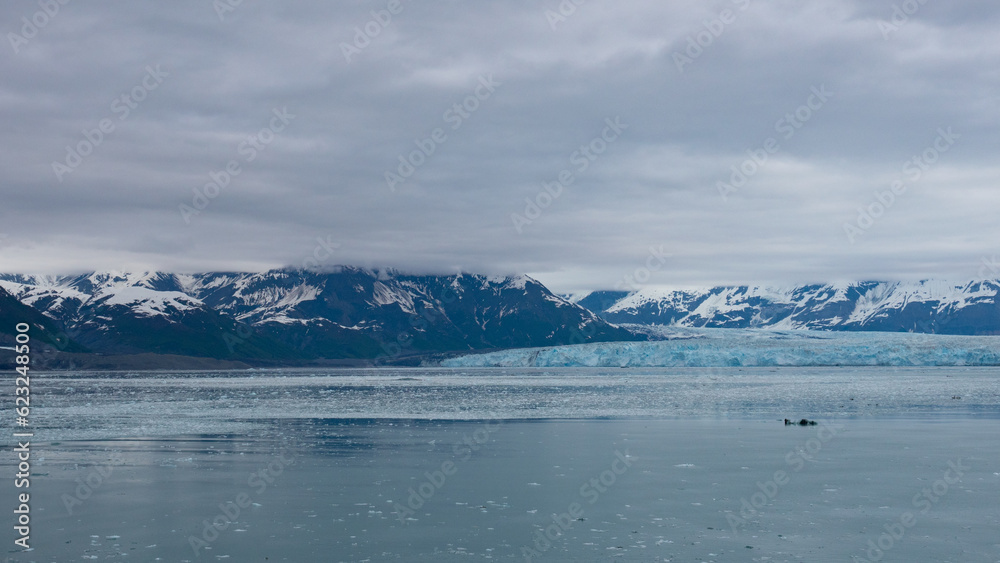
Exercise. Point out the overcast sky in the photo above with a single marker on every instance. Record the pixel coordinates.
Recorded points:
(833, 98)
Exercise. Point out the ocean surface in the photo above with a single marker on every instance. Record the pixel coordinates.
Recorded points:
(564, 464)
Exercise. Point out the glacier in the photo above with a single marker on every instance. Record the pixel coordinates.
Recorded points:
(722, 347)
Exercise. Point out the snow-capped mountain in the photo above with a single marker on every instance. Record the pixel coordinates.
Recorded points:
(42, 330)
(130, 313)
(299, 314)
(926, 306)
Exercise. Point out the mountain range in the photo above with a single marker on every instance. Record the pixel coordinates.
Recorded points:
(288, 316)
(969, 308)
(359, 316)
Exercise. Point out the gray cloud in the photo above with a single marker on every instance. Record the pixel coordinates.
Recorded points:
(323, 175)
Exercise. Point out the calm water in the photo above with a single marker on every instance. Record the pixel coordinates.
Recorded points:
(483, 465)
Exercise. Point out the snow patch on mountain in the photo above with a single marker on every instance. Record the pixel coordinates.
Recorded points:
(277, 306)
(283, 318)
(298, 295)
(382, 295)
(575, 298)
(508, 282)
(559, 301)
(29, 294)
(147, 302)
(115, 279)
(659, 296)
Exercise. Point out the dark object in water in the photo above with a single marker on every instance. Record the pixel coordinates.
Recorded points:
(803, 422)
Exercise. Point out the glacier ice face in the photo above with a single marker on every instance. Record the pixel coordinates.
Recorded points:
(688, 347)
